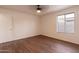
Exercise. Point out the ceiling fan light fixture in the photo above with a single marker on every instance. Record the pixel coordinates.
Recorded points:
(38, 9)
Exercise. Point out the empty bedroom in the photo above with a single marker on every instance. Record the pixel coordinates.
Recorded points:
(39, 29)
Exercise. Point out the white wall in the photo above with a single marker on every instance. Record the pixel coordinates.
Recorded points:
(26, 25)
(49, 26)
(23, 24)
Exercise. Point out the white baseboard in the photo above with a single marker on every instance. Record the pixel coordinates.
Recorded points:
(61, 39)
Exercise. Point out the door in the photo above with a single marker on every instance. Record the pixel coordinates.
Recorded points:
(6, 28)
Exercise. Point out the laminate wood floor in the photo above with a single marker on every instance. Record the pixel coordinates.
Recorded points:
(38, 44)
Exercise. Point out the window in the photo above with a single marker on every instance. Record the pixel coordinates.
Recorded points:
(65, 23)
(60, 23)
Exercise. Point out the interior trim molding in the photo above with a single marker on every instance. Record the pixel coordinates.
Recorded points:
(60, 39)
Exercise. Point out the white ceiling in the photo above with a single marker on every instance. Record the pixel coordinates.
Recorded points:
(32, 8)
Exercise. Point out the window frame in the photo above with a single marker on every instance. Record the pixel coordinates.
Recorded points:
(57, 28)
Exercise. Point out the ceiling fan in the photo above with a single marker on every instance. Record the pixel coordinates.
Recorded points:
(38, 9)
